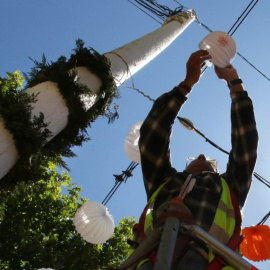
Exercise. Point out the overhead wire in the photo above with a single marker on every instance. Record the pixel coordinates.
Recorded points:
(119, 179)
(144, 12)
(246, 10)
(264, 219)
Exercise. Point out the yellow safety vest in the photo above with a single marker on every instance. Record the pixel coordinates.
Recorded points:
(148, 223)
(224, 221)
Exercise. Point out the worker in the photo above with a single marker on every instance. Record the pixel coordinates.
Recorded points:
(209, 196)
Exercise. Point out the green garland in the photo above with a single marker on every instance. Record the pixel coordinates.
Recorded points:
(30, 135)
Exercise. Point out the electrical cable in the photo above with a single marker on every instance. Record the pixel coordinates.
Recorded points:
(119, 179)
(263, 180)
(240, 17)
(244, 17)
(206, 139)
(161, 11)
(253, 66)
(144, 11)
(264, 219)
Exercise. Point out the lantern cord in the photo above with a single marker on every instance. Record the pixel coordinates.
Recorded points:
(119, 179)
(264, 219)
(191, 127)
(197, 131)
(138, 90)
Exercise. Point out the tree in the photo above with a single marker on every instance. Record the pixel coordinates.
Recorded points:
(37, 230)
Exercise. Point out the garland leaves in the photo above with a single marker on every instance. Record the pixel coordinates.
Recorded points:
(31, 133)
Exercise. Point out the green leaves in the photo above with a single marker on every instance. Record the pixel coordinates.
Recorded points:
(13, 82)
(37, 230)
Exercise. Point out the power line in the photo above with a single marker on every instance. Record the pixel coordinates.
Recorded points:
(119, 179)
(161, 11)
(253, 66)
(144, 12)
(246, 10)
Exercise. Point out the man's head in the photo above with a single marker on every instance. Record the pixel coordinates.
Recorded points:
(201, 164)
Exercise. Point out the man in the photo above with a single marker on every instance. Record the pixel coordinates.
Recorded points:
(209, 188)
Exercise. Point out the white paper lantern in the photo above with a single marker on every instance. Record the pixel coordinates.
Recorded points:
(221, 47)
(94, 223)
(131, 143)
(45, 269)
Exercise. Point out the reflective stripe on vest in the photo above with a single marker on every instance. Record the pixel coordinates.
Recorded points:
(148, 223)
(224, 222)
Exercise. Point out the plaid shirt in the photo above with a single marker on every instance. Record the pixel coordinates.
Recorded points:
(156, 165)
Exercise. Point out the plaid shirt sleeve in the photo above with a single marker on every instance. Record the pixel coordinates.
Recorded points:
(155, 136)
(154, 140)
(244, 137)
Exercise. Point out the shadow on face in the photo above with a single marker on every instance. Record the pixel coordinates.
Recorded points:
(199, 165)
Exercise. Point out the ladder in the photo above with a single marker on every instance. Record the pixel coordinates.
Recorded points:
(164, 237)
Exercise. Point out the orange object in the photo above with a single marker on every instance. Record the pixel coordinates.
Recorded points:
(256, 243)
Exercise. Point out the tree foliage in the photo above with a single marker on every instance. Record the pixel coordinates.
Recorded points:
(38, 203)
(37, 230)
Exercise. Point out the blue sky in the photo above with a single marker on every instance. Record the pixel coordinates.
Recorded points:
(30, 28)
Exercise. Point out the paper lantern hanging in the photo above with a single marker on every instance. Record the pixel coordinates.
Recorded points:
(131, 143)
(94, 223)
(221, 47)
(256, 243)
